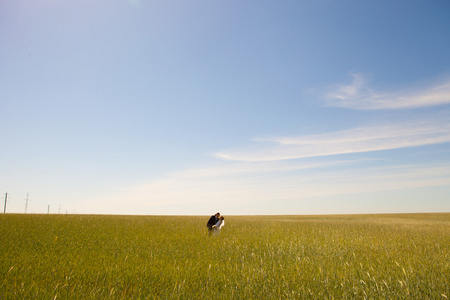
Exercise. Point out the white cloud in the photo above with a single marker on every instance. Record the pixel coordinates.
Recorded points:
(263, 178)
(260, 192)
(363, 139)
(358, 95)
(213, 184)
(246, 168)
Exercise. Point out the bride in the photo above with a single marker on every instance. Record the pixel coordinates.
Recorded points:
(219, 225)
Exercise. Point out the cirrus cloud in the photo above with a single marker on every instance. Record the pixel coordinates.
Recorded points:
(357, 140)
(358, 95)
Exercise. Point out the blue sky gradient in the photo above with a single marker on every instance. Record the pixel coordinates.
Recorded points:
(244, 107)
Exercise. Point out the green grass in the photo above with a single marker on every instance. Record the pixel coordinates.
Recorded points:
(269, 257)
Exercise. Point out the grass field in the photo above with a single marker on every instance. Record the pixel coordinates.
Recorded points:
(260, 257)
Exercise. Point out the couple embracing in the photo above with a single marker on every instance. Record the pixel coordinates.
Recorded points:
(215, 223)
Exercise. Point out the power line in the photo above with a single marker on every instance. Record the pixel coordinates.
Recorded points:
(26, 204)
(6, 199)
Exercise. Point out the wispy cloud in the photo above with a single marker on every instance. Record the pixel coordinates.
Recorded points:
(264, 174)
(260, 192)
(248, 168)
(358, 95)
(362, 139)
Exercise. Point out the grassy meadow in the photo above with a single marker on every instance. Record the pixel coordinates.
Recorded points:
(398, 256)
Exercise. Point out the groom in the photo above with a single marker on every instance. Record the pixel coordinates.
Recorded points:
(212, 221)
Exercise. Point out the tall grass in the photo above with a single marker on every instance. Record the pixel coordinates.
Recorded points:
(163, 257)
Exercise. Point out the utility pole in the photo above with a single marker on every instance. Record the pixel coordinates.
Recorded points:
(26, 204)
(6, 199)
(48, 209)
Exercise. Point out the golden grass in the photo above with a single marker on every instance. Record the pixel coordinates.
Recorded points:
(265, 257)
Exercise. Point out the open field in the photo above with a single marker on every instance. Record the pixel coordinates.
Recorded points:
(268, 257)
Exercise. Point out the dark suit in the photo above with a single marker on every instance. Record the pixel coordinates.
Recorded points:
(212, 221)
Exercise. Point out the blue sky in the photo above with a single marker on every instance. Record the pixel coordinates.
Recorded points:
(243, 107)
